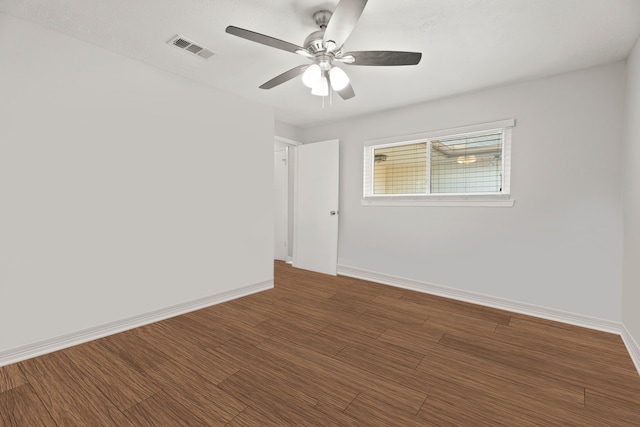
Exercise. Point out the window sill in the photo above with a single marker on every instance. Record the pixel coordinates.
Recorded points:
(441, 201)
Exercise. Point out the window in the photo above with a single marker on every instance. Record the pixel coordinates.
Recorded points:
(467, 166)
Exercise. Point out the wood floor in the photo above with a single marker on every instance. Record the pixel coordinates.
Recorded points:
(318, 350)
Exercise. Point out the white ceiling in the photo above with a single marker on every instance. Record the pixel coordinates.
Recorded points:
(466, 44)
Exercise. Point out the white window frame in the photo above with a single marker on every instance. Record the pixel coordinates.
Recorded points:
(501, 199)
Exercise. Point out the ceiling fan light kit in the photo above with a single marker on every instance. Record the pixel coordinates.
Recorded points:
(312, 76)
(339, 79)
(321, 88)
(324, 46)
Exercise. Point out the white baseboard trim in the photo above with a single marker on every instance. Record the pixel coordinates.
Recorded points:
(486, 300)
(632, 347)
(289, 260)
(68, 340)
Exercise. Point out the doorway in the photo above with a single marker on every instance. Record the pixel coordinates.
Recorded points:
(283, 160)
(306, 186)
(281, 208)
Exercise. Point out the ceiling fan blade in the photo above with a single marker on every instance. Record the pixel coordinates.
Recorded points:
(347, 92)
(285, 77)
(342, 23)
(381, 57)
(266, 40)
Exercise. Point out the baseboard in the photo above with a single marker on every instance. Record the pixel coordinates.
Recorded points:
(68, 340)
(289, 260)
(486, 300)
(632, 347)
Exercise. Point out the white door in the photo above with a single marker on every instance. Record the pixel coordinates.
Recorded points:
(315, 235)
(281, 204)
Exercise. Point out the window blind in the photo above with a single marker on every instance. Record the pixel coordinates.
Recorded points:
(469, 164)
(473, 162)
(400, 170)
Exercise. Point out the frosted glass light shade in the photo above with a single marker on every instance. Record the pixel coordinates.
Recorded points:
(312, 76)
(339, 79)
(322, 88)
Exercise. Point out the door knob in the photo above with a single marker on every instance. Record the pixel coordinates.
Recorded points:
(333, 212)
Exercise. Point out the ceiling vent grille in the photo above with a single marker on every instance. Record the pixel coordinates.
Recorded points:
(189, 46)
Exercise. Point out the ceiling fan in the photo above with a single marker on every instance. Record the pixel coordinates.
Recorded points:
(324, 48)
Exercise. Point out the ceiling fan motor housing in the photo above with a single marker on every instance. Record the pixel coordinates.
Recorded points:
(313, 42)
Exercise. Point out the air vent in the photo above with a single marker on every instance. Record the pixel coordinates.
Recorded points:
(189, 46)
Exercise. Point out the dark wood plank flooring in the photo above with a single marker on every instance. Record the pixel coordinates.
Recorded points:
(319, 350)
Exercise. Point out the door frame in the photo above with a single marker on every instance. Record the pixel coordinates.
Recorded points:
(289, 144)
(281, 211)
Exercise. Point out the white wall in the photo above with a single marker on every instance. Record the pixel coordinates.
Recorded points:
(287, 131)
(119, 193)
(559, 247)
(631, 159)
